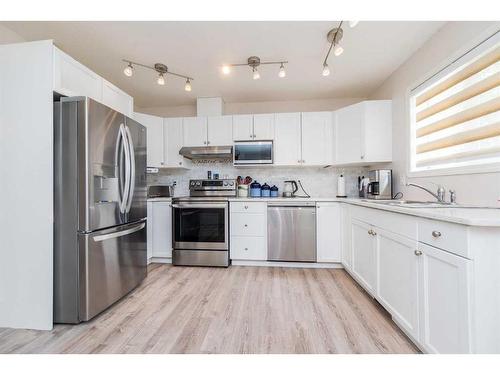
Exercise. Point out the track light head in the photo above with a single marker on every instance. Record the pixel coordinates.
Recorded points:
(282, 72)
(326, 70)
(161, 80)
(187, 86)
(129, 70)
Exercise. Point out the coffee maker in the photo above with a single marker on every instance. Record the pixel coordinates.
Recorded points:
(380, 185)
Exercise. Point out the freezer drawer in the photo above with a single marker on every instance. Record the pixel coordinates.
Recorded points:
(291, 234)
(112, 263)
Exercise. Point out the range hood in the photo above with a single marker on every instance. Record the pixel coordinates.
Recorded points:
(207, 152)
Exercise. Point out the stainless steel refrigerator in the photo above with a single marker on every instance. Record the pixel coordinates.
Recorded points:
(99, 207)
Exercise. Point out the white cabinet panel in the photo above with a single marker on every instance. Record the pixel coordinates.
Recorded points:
(117, 99)
(173, 141)
(154, 127)
(243, 127)
(287, 139)
(159, 229)
(195, 131)
(346, 236)
(397, 272)
(328, 232)
(74, 79)
(363, 255)
(220, 130)
(317, 138)
(377, 135)
(445, 301)
(249, 207)
(248, 224)
(263, 127)
(348, 134)
(248, 248)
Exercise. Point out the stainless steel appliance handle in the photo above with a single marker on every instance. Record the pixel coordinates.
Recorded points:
(132, 168)
(292, 204)
(199, 205)
(104, 237)
(120, 152)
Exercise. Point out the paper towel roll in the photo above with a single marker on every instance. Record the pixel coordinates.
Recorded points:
(341, 186)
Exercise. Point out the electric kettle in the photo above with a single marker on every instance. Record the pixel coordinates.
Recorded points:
(289, 189)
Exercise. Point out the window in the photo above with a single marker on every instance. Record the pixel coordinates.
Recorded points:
(455, 115)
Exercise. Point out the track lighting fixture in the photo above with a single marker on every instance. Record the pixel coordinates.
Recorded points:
(162, 71)
(254, 62)
(334, 37)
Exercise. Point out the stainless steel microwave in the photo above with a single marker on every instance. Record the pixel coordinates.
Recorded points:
(253, 152)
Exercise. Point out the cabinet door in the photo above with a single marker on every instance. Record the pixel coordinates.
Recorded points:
(349, 135)
(363, 255)
(346, 236)
(154, 127)
(74, 79)
(243, 127)
(445, 299)
(263, 127)
(173, 141)
(195, 131)
(117, 99)
(287, 150)
(220, 130)
(248, 248)
(397, 273)
(377, 131)
(317, 138)
(328, 232)
(161, 223)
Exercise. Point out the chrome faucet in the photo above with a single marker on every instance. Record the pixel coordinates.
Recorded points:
(439, 195)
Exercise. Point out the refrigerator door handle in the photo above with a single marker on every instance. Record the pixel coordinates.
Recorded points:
(126, 148)
(104, 237)
(132, 169)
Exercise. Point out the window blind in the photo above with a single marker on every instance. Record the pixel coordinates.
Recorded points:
(456, 116)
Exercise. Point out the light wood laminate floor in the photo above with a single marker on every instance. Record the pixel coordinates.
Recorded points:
(233, 310)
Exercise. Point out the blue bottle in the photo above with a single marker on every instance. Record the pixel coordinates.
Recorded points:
(255, 189)
(274, 191)
(265, 191)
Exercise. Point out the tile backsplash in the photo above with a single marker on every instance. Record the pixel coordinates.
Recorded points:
(317, 181)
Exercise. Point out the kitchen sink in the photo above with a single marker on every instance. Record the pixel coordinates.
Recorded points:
(417, 204)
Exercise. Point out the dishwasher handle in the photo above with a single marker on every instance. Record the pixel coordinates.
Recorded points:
(292, 204)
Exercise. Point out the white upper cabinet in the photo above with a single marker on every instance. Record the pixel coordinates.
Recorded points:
(220, 130)
(173, 141)
(328, 231)
(243, 127)
(317, 138)
(263, 127)
(74, 79)
(363, 133)
(117, 99)
(154, 125)
(287, 135)
(195, 131)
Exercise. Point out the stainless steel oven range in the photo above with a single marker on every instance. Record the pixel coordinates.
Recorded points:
(201, 224)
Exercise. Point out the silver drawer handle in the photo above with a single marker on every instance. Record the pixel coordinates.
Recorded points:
(104, 237)
(436, 233)
(418, 252)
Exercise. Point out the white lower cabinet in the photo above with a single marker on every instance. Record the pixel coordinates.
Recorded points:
(248, 231)
(363, 244)
(445, 301)
(397, 278)
(328, 232)
(159, 232)
(346, 255)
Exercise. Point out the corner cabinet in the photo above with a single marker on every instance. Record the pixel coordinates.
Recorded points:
(317, 138)
(363, 133)
(154, 127)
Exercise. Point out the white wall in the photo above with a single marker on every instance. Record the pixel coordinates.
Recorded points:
(8, 36)
(26, 185)
(453, 39)
(256, 107)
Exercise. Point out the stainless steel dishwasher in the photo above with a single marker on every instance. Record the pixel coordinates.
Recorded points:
(291, 231)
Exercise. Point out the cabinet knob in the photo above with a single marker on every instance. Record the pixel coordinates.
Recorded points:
(436, 234)
(208, 142)
(374, 233)
(246, 248)
(362, 156)
(180, 163)
(370, 231)
(298, 161)
(162, 163)
(246, 207)
(246, 225)
(418, 252)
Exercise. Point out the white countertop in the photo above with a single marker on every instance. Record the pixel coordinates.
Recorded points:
(488, 217)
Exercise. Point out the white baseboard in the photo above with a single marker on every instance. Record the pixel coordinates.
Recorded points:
(159, 260)
(263, 263)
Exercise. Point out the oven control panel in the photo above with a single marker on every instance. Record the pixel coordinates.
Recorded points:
(225, 187)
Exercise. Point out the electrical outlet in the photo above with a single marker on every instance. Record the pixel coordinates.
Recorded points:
(403, 180)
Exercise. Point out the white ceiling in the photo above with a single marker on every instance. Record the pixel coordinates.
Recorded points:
(373, 50)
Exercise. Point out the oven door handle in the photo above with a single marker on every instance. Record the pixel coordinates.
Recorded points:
(200, 205)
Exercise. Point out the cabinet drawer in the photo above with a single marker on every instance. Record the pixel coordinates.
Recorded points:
(248, 248)
(248, 224)
(451, 237)
(250, 207)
